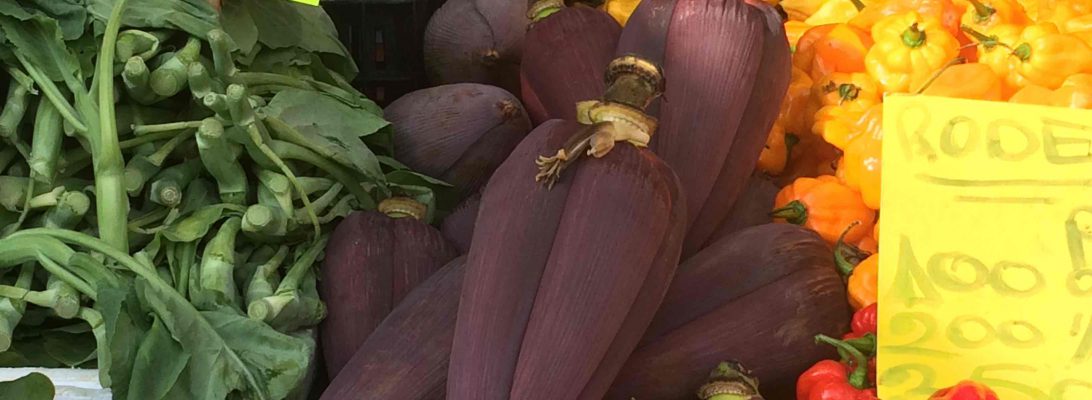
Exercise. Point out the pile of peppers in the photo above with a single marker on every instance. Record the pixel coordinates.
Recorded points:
(825, 147)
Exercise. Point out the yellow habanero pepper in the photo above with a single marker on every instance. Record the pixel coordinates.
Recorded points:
(909, 49)
(1045, 56)
(982, 14)
(843, 99)
(1073, 96)
(994, 51)
(1061, 11)
(800, 10)
(967, 81)
(863, 157)
(622, 9)
(835, 12)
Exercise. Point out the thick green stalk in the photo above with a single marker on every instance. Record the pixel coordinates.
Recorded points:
(112, 203)
(138, 43)
(68, 212)
(201, 82)
(136, 76)
(171, 77)
(14, 110)
(220, 159)
(218, 264)
(168, 186)
(268, 308)
(221, 45)
(45, 148)
(11, 310)
(265, 279)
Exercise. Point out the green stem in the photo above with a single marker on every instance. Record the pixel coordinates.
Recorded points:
(111, 199)
(141, 130)
(858, 4)
(859, 377)
(982, 12)
(847, 263)
(913, 36)
(795, 213)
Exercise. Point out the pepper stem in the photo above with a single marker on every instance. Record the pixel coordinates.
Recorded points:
(988, 41)
(857, 3)
(790, 141)
(795, 213)
(913, 36)
(847, 256)
(1023, 51)
(848, 92)
(982, 12)
(859, 375)
(936, 75)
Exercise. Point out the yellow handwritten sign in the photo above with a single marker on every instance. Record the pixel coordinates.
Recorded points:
(308, 2)
(986, 249)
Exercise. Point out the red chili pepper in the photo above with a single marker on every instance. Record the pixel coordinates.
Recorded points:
(966, 390)
(833, 380)
(864, 320)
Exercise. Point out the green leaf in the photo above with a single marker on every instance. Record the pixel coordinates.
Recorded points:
(159, 362)
(197, 225)
(229, 352)
(71, 14)
(195, 17)
(237, 22)
(68, 348)
(39, 41)
(31, 387)
(331, 128)
(123, 336)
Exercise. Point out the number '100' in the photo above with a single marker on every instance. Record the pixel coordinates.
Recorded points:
(941, 268)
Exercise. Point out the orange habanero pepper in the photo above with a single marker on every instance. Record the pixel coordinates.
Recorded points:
(793, 31)
(775, 155)
(863, 283)
(794, 116)
(947, 12)
(825, 206)
(910, 48)
(982, 14)
(967, 81)
(827, 49)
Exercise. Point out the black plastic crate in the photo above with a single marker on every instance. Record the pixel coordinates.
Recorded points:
(385, 38)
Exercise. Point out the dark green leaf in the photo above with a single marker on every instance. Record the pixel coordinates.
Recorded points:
(39, 41)
(123, 337)
(195, 17)
(71, 14)
(70, 349)
(238, 24)
(332, 128)
(229, 351)
(31, 387)
(159, 362)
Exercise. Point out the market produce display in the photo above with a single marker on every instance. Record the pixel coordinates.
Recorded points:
(595, 201)
(169, 178)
